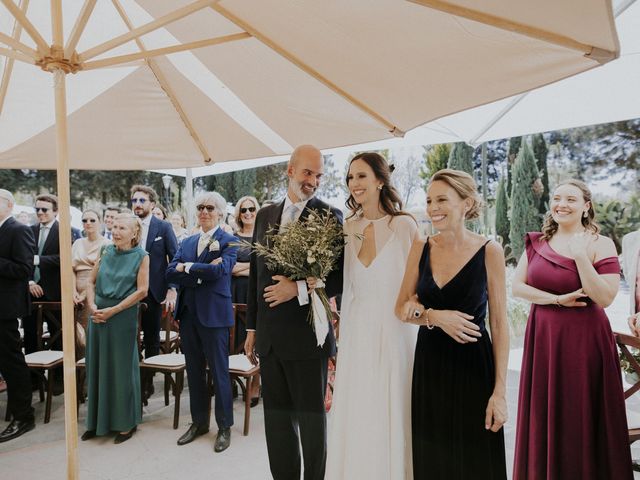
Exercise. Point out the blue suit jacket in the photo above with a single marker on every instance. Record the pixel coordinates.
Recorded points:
(206, 289)
(162, 246)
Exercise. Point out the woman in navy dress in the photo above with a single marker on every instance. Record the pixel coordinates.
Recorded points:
(571, 412)
(459, 374)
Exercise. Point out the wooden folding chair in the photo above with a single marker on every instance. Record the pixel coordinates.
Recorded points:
(169, 337)
(624, 342)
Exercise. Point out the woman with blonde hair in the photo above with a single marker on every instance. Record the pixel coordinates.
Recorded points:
(571, 412)
(459, 374)
(119, 281)
(84, 255)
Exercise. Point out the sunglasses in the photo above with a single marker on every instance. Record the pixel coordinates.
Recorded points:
(91, 220)
(248, 209)
(210, 208)
(42, 209)
(141, 201)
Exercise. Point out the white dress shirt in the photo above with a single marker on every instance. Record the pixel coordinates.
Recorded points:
(145, 230)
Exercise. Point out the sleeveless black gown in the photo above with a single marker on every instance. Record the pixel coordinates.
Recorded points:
(452, 383)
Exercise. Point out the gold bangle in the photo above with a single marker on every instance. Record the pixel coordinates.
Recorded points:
(429, 325)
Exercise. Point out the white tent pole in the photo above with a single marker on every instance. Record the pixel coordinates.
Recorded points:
(66, 272)
(189, 199)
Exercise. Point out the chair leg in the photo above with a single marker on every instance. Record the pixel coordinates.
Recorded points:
(247, 405)
(47, 407)
(41, 384)
(167, 383)
(178, 385)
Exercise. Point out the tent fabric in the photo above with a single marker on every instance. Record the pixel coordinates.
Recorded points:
(329, 73)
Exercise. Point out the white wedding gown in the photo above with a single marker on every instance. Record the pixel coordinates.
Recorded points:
(370, 417)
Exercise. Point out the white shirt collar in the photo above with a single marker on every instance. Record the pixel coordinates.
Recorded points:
(147, 220)
(210, 232)
(48, 225)
(299, 205)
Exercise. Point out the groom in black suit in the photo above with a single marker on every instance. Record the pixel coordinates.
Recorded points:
(293, 366)
(17, 247)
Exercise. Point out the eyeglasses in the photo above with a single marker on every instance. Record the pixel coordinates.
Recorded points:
(248, 209)
(91, 220)
(210, 208)
(42, 209)
(141, 201)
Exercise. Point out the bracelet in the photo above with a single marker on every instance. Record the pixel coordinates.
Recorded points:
(429, 325)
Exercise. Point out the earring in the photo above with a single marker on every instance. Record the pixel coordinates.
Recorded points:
(585, 214)
(380, 187)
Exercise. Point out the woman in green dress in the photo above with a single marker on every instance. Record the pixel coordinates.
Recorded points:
(118, 282)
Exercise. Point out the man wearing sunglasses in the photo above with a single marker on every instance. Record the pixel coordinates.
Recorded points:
(159, 240)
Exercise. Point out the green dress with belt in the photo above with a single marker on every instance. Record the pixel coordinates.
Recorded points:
(113, 371)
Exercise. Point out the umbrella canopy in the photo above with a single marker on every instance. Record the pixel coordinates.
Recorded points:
(269, 75)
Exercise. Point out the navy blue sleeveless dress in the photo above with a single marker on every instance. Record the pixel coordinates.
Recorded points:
(452, 383)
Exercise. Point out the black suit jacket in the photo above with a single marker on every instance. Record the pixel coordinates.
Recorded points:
(49, 262)
(17, 248)
(162, 247)
(285, 329)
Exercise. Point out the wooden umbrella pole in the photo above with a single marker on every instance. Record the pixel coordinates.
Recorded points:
(68, 321)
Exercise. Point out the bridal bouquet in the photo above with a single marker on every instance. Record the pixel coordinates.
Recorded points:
(307, 248)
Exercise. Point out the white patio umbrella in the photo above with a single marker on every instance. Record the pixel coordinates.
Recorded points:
(218, 80)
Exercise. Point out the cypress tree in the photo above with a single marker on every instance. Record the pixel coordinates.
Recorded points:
(512, 153)
(461, 158)
(524, 203)
(502, 212)
(540, 151)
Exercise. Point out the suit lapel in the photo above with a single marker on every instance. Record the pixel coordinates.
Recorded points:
(51, 242)
(153, 231)
(274, 218)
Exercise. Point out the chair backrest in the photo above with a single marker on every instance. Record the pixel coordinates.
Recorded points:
(625, 341)
(239, 316)
(46, 311)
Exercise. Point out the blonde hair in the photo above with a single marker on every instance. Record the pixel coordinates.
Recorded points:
(239, 203)
(464, 185)
(550, 227)
(135, 223)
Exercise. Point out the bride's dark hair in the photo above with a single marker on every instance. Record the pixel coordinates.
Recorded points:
(390, 200)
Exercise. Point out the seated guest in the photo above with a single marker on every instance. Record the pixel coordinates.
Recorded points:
(202, 268)
(119, 281)
(159, 212)
(84, 255)
(17, 247)
(178, 223)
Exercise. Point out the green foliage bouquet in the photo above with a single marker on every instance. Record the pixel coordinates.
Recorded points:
(310, 247)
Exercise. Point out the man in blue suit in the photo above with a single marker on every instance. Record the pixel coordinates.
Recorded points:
(159, 240)
(202, 269)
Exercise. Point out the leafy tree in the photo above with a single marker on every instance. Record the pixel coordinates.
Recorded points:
(460, 158)
(525, 216)
(271, 182)
(540, 152)
(502, 212)
(617, 218)
(512, 153)
(406, 176)
(435, 158)
(233, 185)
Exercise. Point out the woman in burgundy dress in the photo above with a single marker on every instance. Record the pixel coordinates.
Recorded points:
(571, 412)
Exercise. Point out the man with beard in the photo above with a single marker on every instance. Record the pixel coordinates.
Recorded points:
(293, 366)
(160, 242)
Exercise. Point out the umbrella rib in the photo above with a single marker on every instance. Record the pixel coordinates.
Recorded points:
(16, 55)
(27, 25)
(78, 27)
(165, 85)
(56, 23)
(599, 55)
(144, 29)
(111, 61)
(13, 42)
(8, 66)
(389, 126)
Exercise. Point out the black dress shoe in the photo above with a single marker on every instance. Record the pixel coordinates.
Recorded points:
(88, 435)
(194, 431)
(254, 401)
(223, 440)
(15, 429)
(123, 437)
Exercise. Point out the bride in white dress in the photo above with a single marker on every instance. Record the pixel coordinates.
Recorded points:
(370, 419)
